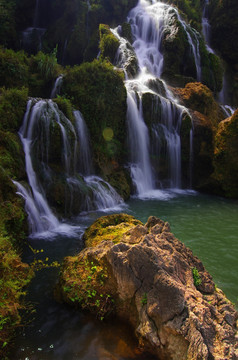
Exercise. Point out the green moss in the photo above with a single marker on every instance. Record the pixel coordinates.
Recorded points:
(109, 44)
(83, 283)
(65, 106)
(212, 69)
(98, 91)
(110, 227)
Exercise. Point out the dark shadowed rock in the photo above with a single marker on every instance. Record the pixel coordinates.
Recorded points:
(155, 283)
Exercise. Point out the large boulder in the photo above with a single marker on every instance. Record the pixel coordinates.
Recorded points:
(150, 279)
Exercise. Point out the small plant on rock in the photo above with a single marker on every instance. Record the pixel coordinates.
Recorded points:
(196, 277)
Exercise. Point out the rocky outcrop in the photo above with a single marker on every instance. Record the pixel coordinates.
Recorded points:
(226, 155)
(149, 278)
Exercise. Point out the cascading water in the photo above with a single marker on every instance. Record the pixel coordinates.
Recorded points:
(141, 170)
(206, 27)
(222, 97)
(58, 158)
(40, 217)
(149, 20)
(56, 88)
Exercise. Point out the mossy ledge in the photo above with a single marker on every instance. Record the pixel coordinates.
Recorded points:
(150, 279)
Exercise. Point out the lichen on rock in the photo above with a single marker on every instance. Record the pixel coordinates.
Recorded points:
(150, 276)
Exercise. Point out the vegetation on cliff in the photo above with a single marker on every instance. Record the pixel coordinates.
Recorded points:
(15, 275)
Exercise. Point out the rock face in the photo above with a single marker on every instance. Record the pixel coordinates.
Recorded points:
(155, 283)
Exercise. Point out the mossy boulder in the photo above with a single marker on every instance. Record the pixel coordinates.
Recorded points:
(152, 281)
(110, 227)
(199, 97)
(226, 155)
(175, 42)
(206, 115)
(109, 44)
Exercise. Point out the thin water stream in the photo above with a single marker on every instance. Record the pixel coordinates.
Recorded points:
(208, 225)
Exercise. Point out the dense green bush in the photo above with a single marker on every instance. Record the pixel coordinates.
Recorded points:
(97, 90)
(13, 68)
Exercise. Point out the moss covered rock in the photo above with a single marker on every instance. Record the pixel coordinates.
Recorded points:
(111, 227)
(198, 97)
(109, 44)
(226, 155)
(206, 114)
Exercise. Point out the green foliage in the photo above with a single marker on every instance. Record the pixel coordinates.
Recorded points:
(12, 108)
(65, 106)
(97, 90)
(196, 277)
(13, 68)
(191, 9)
(46, 64)
(14, 277)
(8, 34)
(144, 299)
(83, 284)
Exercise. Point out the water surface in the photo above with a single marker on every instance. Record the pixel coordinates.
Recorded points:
(208, 225)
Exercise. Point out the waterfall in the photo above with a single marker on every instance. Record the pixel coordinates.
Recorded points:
(149, 20)
(194, 46)
(32, 35)
(141, 170)
(206, 27)
(222, 96)
(85, 159)
(56, 88)
(57, 154)
(41, 218)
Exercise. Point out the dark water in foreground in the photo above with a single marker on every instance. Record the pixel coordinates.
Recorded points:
(208, 225)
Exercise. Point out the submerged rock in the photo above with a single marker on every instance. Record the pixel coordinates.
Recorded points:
(150, 279)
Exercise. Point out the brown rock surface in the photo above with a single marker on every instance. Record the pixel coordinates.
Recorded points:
(152, 283)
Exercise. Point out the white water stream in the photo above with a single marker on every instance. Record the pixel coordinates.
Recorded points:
(149, 20)
(76, 166)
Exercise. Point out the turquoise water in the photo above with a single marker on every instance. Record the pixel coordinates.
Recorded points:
(208, 225)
